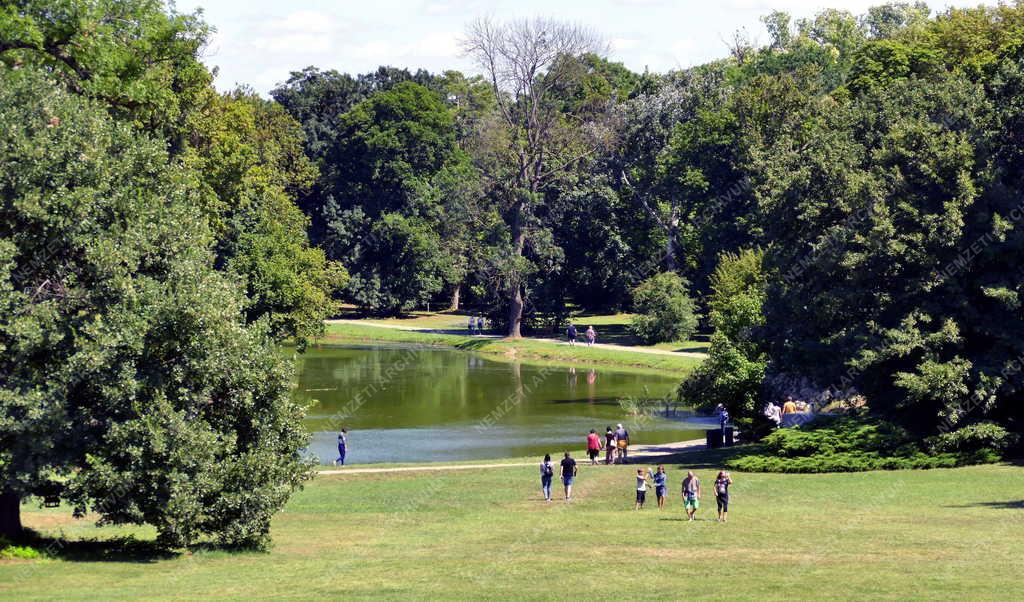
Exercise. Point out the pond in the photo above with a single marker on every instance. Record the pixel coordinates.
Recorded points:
(416, 404)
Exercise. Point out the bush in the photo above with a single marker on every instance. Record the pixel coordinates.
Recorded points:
(665, 310)
(974, 438)
(850, 444)
(9, 551)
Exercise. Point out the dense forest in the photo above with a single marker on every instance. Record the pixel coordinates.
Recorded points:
(840, 209)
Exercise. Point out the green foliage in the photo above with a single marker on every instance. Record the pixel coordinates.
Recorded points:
(132, 385)
(736, 366)
(10, 551)
(974, 438)
(850, 444)
(665, 310)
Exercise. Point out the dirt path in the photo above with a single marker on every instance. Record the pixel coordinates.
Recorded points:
(639, 453)
(647, 350)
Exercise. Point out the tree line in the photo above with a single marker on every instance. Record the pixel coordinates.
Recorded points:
(841, 207)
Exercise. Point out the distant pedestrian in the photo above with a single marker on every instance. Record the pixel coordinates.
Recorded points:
(609, 446)
(723, 417)
(481, 324)
(547, 472)
(593, 446)
(342, 447)
(570, 333)
(641, 488)
(472, 324)
(691, 494)
(722, 483)
(660, 479)
(568, 475)
(622, 443)
(591, 336)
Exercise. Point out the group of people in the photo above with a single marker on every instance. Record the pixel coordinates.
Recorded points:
(691, 486)
(615, 445)
(477, 324)
(571, 334)
(778, 414)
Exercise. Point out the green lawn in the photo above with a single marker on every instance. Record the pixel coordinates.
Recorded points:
(525, 349)
(611, 328)
(920, 535)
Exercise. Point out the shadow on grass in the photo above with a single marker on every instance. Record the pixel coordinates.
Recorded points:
(704, 459)
(116, 549)
(1007, 505)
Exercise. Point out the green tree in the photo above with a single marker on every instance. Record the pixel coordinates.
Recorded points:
(132, 387)
(665, 310)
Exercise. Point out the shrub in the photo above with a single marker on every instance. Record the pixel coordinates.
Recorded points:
(665, 310)
(853, 444)
(9, 551)
(974, 438)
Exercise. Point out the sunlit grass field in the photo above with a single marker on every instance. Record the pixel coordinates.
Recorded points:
(487, 534)
(523, 349)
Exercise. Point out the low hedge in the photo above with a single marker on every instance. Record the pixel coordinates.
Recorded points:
(852, 444)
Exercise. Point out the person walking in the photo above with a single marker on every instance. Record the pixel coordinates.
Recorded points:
(722, 483)
(547, 472)
(481, 324)
(570, 333)
(609, 446)
(641, 488)
(660, 479)
(773, 413)
(723, 417)
(591, 336)
(593, 446)
(342, 447)
(472, 324)
(691, 494)
(622, 442)
(568, 475)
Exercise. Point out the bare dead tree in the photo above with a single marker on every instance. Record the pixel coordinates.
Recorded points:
(526, 62)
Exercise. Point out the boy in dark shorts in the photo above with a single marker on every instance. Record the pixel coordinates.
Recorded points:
(641, 488)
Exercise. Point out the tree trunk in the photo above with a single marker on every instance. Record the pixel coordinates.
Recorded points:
(670, 243)
(455, 298)
(10, 514)
(515, 314)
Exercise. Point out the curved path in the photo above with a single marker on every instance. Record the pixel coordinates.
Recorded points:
(648, 350)
(639, 452)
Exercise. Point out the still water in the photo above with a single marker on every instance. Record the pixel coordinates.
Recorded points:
(410, 404)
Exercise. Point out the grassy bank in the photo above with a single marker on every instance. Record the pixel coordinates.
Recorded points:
(939, 535)
(524, 349)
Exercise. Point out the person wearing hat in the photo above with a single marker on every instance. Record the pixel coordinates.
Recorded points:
(622, 442)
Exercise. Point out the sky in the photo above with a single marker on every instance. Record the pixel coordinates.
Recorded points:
(259, 42)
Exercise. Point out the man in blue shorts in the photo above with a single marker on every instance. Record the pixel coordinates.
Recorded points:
(342, 447)
(568, 475)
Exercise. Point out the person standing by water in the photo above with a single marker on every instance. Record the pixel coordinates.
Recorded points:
(691, 494)
(472, 324)
(722, 483)
(723, 417)
(593, 446)
(622, 442)
(641, 488)
(342, 447)
(609, 446)
(591, 336)
(568, 475)
(660, 479)
(570, 333)
(547, 473)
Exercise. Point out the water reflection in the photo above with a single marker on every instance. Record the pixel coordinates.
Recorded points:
(432, 404)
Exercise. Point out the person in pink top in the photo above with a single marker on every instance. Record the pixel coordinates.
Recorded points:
(593, 446)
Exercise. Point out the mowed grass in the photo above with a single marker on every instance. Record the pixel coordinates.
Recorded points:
(920, 535)
(523, 349)
(611, 328)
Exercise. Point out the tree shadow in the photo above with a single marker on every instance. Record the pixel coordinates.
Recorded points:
(1007, 505)
(115, 549)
